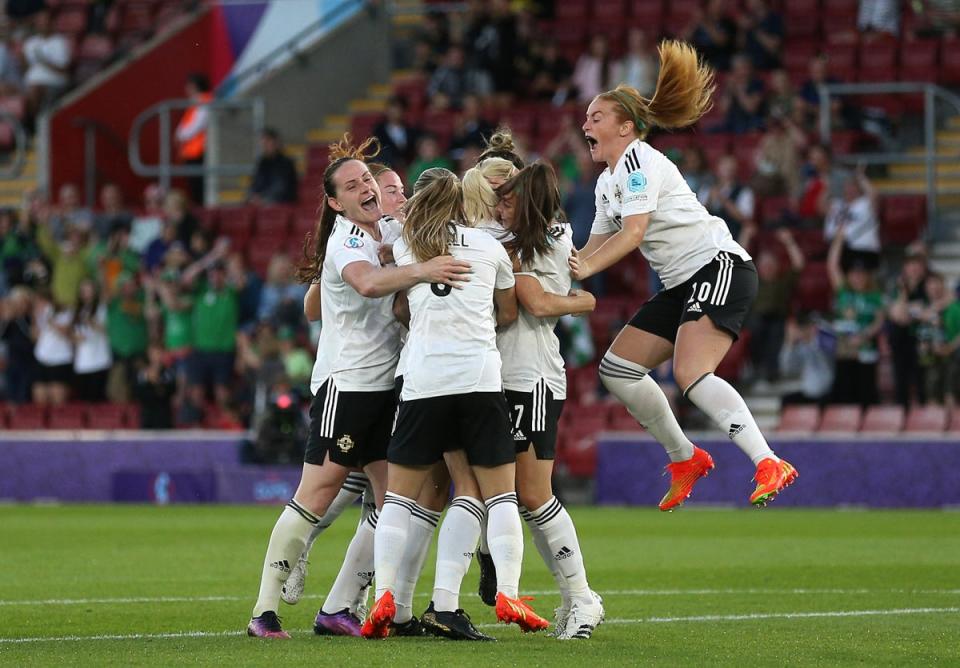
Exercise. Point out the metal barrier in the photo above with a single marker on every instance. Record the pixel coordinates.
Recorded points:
(91, 127)
(931, 94)
(212, 169)
(15, 167)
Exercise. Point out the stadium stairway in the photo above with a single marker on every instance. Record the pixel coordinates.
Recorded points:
(12, 190)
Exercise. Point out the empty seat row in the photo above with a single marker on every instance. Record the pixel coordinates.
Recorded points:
(70, 416)
(849, 419)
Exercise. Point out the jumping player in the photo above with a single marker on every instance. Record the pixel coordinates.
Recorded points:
(709, 280)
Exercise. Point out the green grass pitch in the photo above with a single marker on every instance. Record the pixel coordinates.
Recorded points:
(134, 585)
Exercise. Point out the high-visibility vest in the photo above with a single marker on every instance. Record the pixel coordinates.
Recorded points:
(194, 147)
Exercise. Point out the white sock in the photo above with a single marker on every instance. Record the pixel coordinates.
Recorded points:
(543, 547)
(422, 525)
(631, 384)
(553, 520)
(724, 405)
(390, 542)
(505, 536)
(287, 541)
(368, 508)
(352, 488)
(356, 571)
(458, 538)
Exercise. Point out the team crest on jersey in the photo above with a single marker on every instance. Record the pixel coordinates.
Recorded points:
(637, 182)
(618, 193)
(353, 242)
(345, 443)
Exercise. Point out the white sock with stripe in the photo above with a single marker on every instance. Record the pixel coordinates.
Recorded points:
(543, 548)
(356, 571)
(554, 522)
(724, 405)
(367, 508)
(458, 538)
(390, 542)
(423, 523)
(352, 488)
(505, 536)
(287, 541)
(632, 385)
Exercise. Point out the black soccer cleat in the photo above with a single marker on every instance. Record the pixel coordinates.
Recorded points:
(451, 625)
(488, 579)
(411, 628)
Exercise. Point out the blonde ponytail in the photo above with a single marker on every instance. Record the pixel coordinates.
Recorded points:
(432, 213)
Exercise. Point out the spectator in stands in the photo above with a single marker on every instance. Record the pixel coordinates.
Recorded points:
(148, 224)
(856, 214)
(70, 261)
(742, 98)
(455, 78)
(552, 72)
(879, 16)
(781, 98)
(931, 336)
(594, 69)
(949, 350)
(248, 287)
(821, 183)
(191, 131)
(760, 34)
(215, 323)
(809, 98)
(47, 56)
(17, 248)
(638, 67)
(858, 312)
(772, 305)
(92, 358)
(803, 357)
(777, 160)
(281, 300)
(398, 139)
(127, 331)
(434, 32)
(113, 256)
(727, 198)
(177, 211)
(259, 363)
(428, 155)
(472, 129)
(68, 212)
(275, 176)
(909, 302)
(11, 78)
(491, 39)
(297, 363)
(154, 391)
(112, 211)
(53, 351)
(580, 203)
(713, 33)
(175, 305)
(694, 169)
(16, 333)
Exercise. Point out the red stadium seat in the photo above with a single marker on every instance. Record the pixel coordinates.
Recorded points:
(262, 250)
(883, 419)
(612, 9)
(70, 21)
(918, 60)
(648, 16)
(903, 218)
(441, 125)
(800, 419)
(814, 292)
(95, 47)
(576, 10)
(107, 416)
(236, 222)
(878, 61)
(521, 120)
(949, 61)
(731, 367)
(304, 222)
(799, 8)
(841, 418)
(926, 420)
(414, 91)
(27, 417)
(68, 416)
(797, 54)
(955, 420)
(137, 17)
(15, 105)
(842, 61)
(273, 221)
(362, 125)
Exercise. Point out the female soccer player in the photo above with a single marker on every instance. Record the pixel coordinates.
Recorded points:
(536, 384)
(452, 387)
(642, 201)
(353, 404)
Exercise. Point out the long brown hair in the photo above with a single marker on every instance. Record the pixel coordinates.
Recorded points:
(432, 213)
(537, 207)
(315, 244)
(684, 88)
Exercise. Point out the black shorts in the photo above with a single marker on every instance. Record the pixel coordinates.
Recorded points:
(210, 368)
(58, 373)
(477, 422)
(534, 416)
(353, 427)
(724, 289)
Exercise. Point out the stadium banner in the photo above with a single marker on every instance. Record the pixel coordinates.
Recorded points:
(878, 473)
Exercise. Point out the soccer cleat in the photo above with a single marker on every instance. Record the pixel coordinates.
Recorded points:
(452, 625)
(560, 621)
(381, 615)
(516, 611)
(789, 473)
(771, 477)
(488, 579)
(293, 588)
(266, 625)
(583, 619)
(412, 628)
(343, 623)
(684, 475)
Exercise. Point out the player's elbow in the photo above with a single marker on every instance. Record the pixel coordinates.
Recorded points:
(507, 315)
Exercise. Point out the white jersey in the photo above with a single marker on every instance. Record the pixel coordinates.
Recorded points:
(681, 237)
(452, 344)
(359, 338)
(529, 347)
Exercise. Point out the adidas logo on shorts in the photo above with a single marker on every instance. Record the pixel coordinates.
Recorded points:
(694, 308)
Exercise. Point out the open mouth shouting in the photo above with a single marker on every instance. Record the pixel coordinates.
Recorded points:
(592, 144)
(370, 204)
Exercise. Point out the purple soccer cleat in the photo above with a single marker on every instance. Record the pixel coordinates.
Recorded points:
(342, 623)
(266, 625)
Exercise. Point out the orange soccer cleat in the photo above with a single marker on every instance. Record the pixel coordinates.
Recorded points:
(683, 476)
(516, 611)
(377, 624)
(771, 477)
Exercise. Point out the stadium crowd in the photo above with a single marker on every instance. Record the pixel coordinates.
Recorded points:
(145, 304)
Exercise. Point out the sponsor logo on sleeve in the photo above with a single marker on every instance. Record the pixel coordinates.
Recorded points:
(636, 182)
(353, 242)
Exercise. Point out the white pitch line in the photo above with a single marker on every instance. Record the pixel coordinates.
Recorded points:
(646, 620)
(545, 592)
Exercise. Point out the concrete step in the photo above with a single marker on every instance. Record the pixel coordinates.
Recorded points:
(946, 249)
(946, 266)
(919, 171)
(231, 197)
(379, 91)
(367, 106)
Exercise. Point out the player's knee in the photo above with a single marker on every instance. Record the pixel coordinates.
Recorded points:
(686, 372)
(534, 498)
